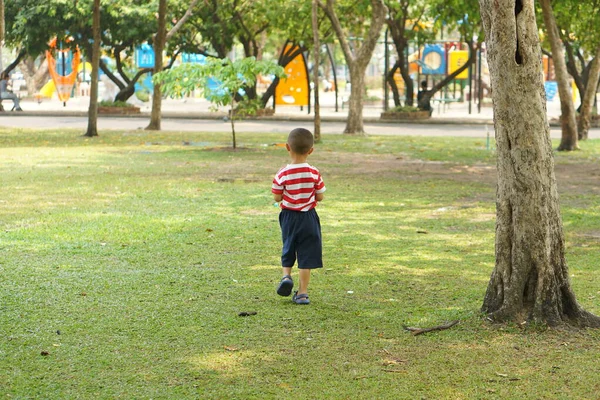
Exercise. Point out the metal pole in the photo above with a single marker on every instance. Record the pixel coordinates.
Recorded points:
(386, 94)
(64, 67)
(479, 88)
(307, 77)
(470, 86)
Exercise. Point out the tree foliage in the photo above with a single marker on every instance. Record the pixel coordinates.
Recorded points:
(232, 78)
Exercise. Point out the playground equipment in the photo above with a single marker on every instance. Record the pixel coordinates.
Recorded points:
(62, 68)
(294, 90)
(434, 62)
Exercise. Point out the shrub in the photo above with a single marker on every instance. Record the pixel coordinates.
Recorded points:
(106, 103)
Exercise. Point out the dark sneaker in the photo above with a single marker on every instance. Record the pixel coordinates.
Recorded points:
(300, 298)
(285, 286)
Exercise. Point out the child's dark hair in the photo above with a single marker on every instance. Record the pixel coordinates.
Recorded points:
(300, 140)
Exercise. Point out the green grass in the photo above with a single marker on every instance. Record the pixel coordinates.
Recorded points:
(127, 258)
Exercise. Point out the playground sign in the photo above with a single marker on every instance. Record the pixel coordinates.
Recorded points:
(144, 56)
(456, 59)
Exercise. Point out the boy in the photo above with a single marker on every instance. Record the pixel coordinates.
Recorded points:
(299, 186)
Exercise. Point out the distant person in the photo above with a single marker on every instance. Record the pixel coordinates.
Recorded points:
(422, 101)
(5, 94)
(299, 186)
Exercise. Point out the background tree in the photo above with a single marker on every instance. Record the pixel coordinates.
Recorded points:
(577, 24)
(291, 36)
(126, 23)
(232, 76)
(35, 72)
(160, 40)
(210, 31)
(316, 47)
(583, 125)
(159, 45)
(404, 22)
(92, 129)
(530, 281)
(567, 119)
(357, 56)
(29, 26)
(2, 28)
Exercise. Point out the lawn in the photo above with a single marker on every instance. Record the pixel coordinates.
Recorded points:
(126, 259)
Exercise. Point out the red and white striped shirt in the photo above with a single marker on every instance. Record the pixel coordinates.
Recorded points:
(298, 183)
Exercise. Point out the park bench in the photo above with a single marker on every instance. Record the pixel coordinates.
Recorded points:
(444, 103)
(13, 107)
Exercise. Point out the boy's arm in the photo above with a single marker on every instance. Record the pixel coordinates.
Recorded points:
(319, 189)
(277, 189)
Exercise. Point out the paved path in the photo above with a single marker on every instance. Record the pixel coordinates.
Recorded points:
(194, 115)
(215, 125)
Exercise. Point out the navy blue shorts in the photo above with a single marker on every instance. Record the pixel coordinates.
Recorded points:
(301, 235)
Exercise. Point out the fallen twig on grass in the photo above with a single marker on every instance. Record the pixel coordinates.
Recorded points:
(419, 331)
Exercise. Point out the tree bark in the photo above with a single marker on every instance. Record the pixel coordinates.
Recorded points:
(317, 46)
(357, 60)
(36, 77)
(159, 46)
(182, 20)
(397, 25)
(92, 129)
(568, 140)
(6, 71)
(394, 86)
(530, 281)
(587, 103)
(579, 78)
(160, 40)
(2, 29)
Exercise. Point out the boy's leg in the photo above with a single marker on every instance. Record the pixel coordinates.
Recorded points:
(304, 280)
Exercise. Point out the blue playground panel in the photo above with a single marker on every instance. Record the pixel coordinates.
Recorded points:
(551, 90)
(433, 69)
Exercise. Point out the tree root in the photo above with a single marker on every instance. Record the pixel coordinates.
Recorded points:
(420, 331)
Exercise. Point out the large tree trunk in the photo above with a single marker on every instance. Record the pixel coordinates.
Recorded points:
(358, 59)
(92, 129)
(530, 281)
(159, 46)
(567, 118)
(354, 123)
(588, 99)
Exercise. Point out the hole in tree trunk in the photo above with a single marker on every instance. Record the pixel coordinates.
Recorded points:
(518, 9)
